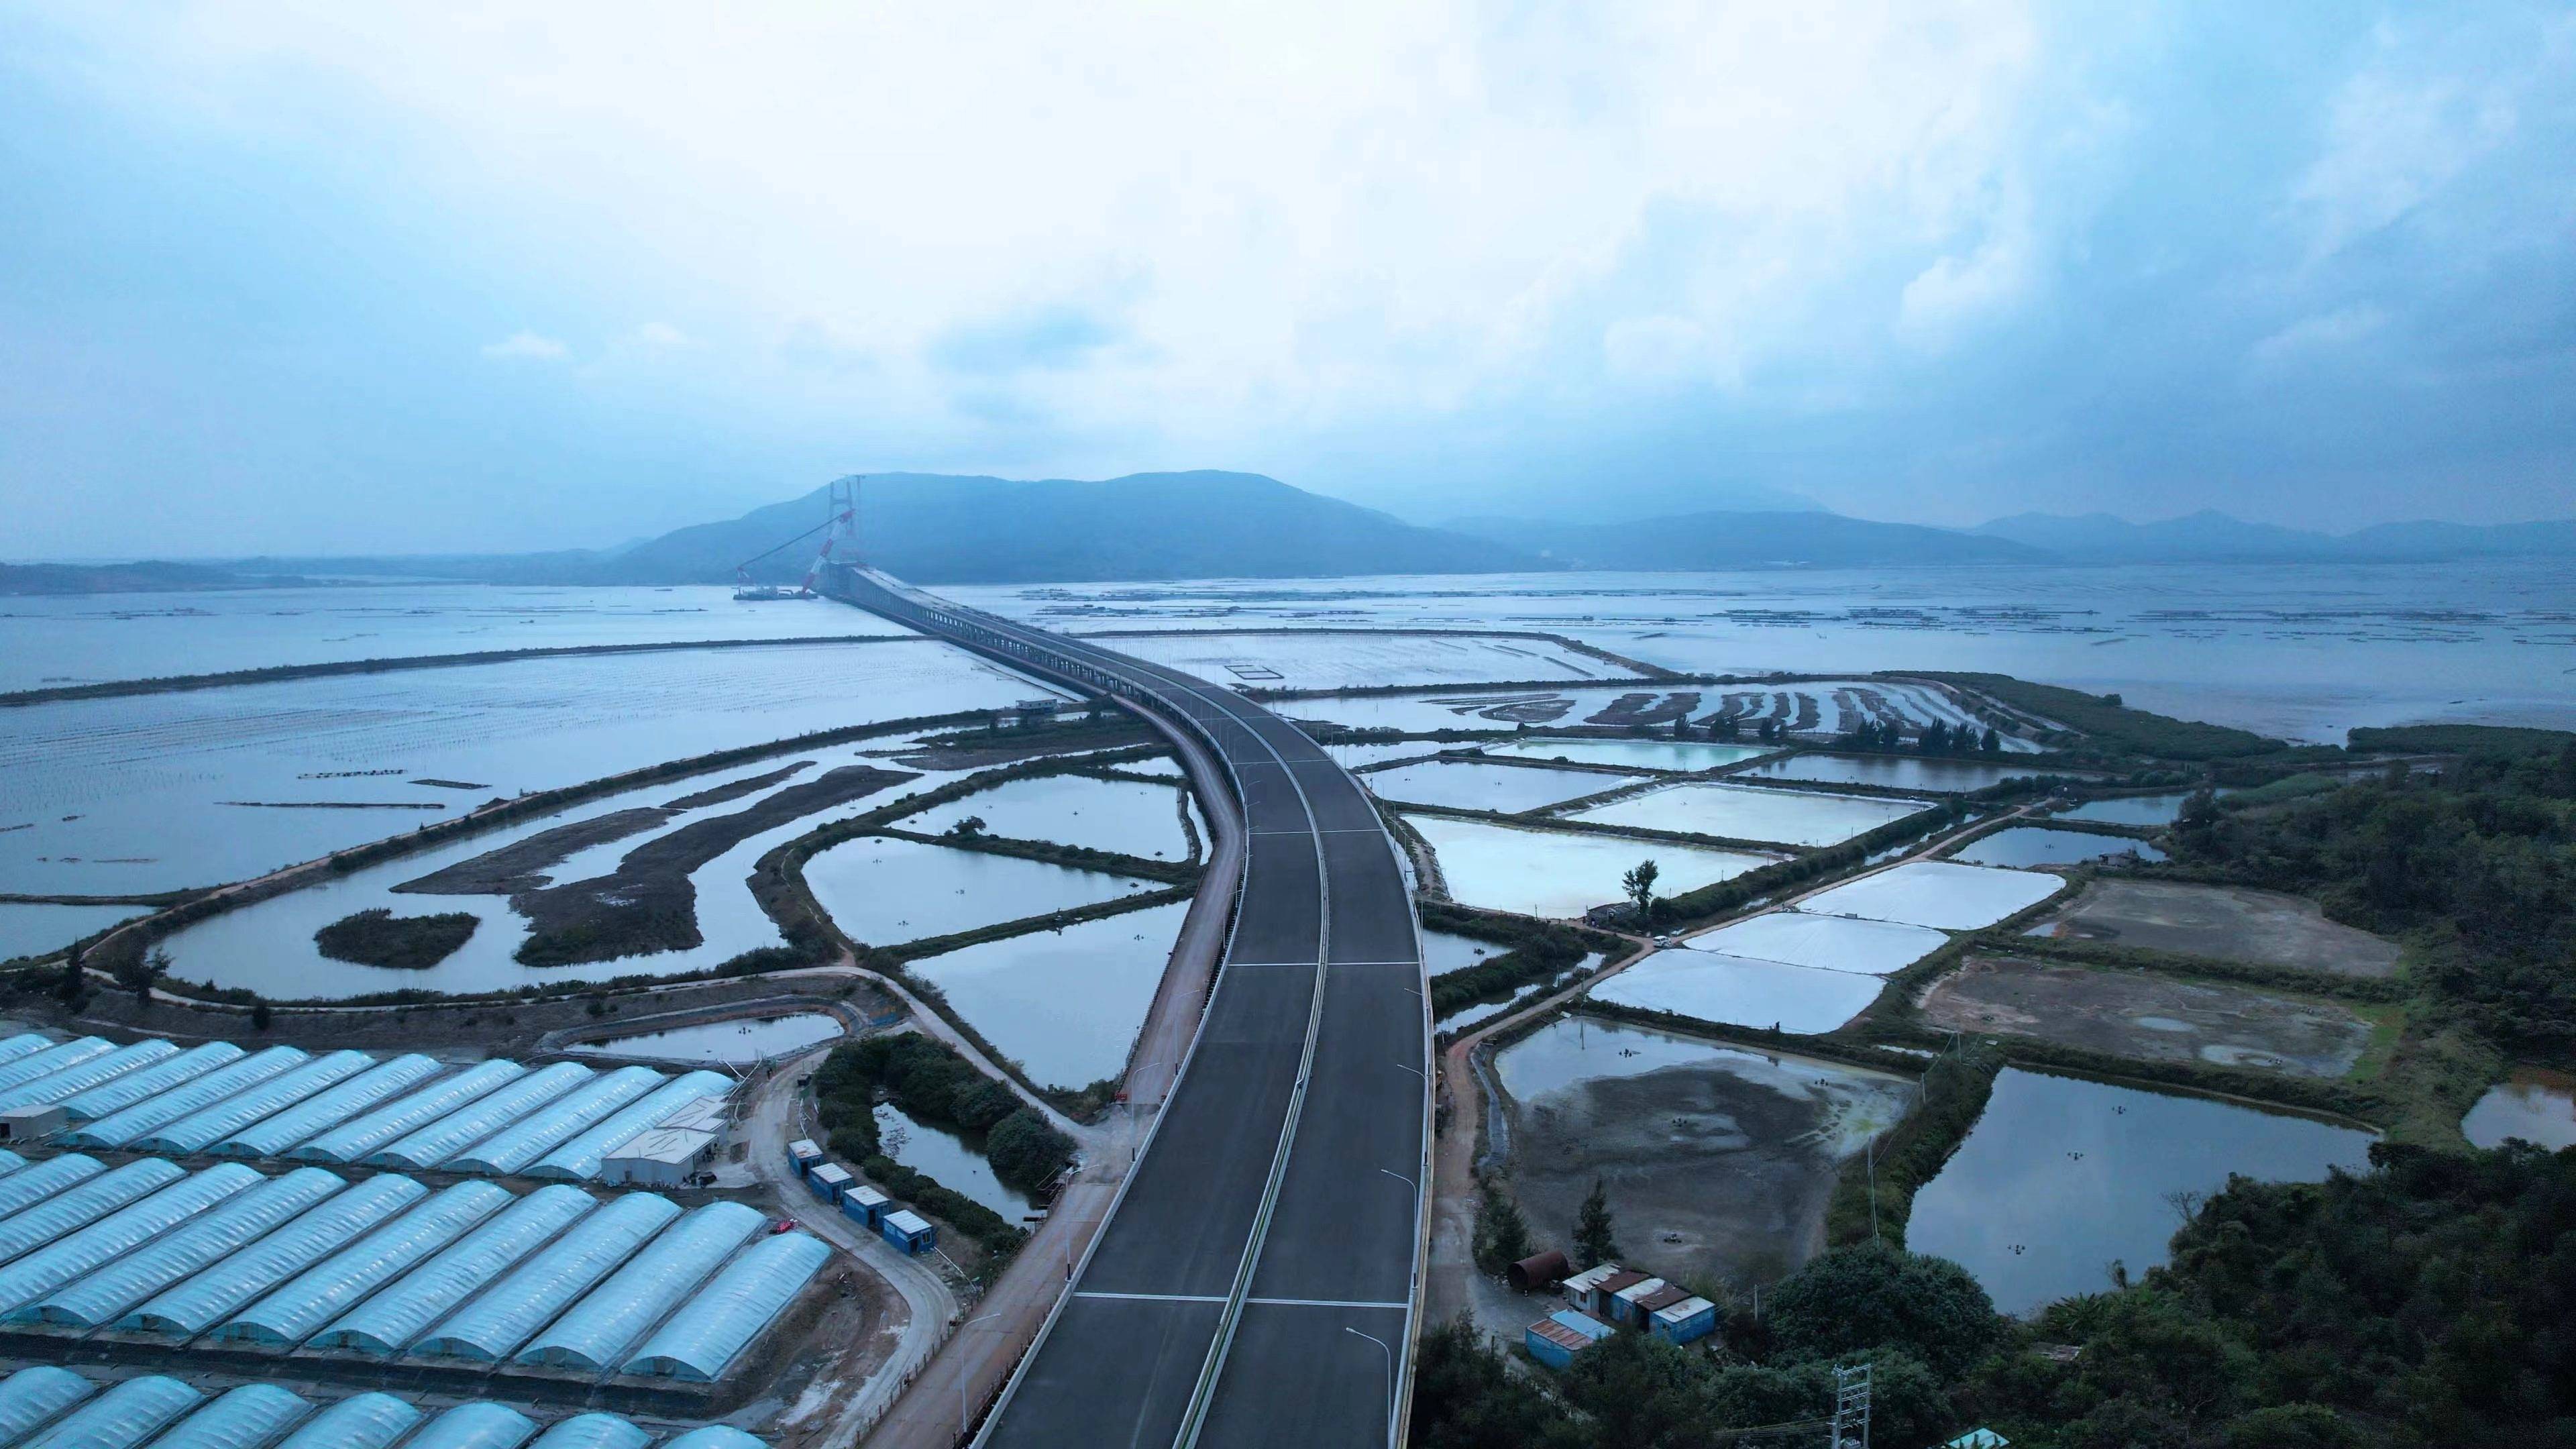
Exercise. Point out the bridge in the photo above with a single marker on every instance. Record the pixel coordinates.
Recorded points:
(1257, 1280)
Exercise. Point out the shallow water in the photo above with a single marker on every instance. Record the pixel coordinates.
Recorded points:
(1066, 1005)
(1937, 893)
(738, 1043)
(946, 1156)
(2062, 1176)
(1749, 812)
(1742, 991)
(1442, 952)
(2130, 810)
(885, 892)
(2028, 845)
(1896, 772)
(1315, 660)
(1113, 815)
(2534, 1104)
(35, 930)
(1509, 789)
(1644, 754)
(1577, 1049)
(1832, 943)
(1559, 873)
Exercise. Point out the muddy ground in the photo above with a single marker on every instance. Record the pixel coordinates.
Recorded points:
(2230, 923)
(2148, 1017)
(1715, 1172)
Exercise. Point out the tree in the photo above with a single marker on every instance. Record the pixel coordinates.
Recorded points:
(968, 828)
(1992, 744)
(260, 1016)
(138, 976)
(1855, 1299)
(1639, 886)
(1026, 1151)
(1502, 1234)
(1596, 1236)
(73, 981)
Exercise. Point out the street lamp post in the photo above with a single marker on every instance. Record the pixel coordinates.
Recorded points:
(965, 1375)
(1390, 1373)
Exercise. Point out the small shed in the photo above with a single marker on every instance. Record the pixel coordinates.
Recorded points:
(1585, 1290)
(1979, 1439)
(26, 1124)
(1693, 1317)
(1622, 1299)
(864, 1204)
(1557, 1338)
(908, 1230)
(802, 1154)
(660, 1157)
(1538, 1270)
(829, 1180)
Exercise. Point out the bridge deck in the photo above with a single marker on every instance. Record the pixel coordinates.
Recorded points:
(1255, 1283)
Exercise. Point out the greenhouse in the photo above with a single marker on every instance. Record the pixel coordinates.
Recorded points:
(547, 1128)
(133, 1087)
(153, 1113)
(354, 1140)
(55, 1086)
(458, 1130)
(21, 1190)
(121, 1418)
(245, 1418)
(10, 1162)
(197, 1304)
(203, 1129)
(120, 1232)
(52, 1059)
(730, 1312)
(593, 1431)
(271, 1136)
(297, 1309)
(54, 1408)
(475, 1426)
(24, 1044)
(598, 1329)
(384, 1323)
(714, 1436)
(580, 1158)
(129, 1280)
(362, 1421)
(498, 1322)
(30, 1397)
(26, 1231)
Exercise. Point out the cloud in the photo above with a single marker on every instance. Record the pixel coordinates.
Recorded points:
(1053, 336)
(526, 344)
(661, 334)
(2326, 332)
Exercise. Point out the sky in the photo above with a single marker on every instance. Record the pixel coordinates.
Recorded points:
(318, 277)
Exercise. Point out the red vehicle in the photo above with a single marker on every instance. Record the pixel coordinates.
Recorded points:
(783, 1225)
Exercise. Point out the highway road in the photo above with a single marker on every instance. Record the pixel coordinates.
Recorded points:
(1258, 1278)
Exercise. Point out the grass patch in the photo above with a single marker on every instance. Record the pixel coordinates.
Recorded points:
(2110, 724)
(378, 937)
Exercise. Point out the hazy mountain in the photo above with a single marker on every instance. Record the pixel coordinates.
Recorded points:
(2212, 537)
(1743, 540)
(148, 576)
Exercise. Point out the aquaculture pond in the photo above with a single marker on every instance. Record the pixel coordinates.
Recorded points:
(1120, 816)
(738, 1042)
(1895, 772)
(2062, 1177)
(1509, 789)
(885, 892)
(1638, 754)
(1443, 952)
(33, 930)
(1751, 812)
(1832, 943)
(2534, 1104)
(1363, 658)
(958, 1165)
(1353, 756)
(1477, 1011)
(1742, 991)
(2029, 845)
(1936, 893)
(1558, 872)
(2131, 809)
(1065, 1004)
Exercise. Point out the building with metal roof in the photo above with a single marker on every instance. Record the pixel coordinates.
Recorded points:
(908, 1230)
(272, 1136)
(123, 1417)
(216, 1121)
(396, 1119)
(55, 1086)
(361, 1421)
(124, 1091)
(493, 1325)
(597, 1331)
(129, 1227)
(1557, 1338)
(485, 1115)
(660, 1157)
(198, 1303)
(549, 1127)
(161, 1109)
(244, 1418)
(583, 1156)
(384, 1323)
(722, 1319)
(119, 1285)
(298, 1308)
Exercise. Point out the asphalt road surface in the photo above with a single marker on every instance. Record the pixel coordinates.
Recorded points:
(1256, 1281)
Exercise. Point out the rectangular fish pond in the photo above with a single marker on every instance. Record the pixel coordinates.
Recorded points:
(738, 1042)
(1561, 873)
(1065, 1004)
(885, 892)
(1509, 789)
(1750, 812)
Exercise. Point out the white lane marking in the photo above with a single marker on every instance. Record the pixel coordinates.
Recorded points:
(1153, 1297)
(1325, 1303)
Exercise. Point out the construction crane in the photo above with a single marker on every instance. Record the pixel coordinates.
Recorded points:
(840, 523)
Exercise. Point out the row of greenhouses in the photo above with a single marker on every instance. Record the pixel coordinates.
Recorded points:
(54, 1408)
(406, 1113)
(388, 1267)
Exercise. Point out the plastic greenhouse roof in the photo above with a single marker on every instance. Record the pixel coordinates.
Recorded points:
(298, 1308)
(271, 1136)
(354, 1140)
(581, 1157)
(384, 1323)
(204, 1128)
(20, 1190)
(476, 1426)
(53, 1059)
(194, 1305)
(10, 1162)
(593, 1431)
(711, 1328)
(491, 1326)
(613, 1315)
(482, 1117)
(32, 1396)
(547, 1128)
(120, 1232)
(245, 1418)
(118, 1128)
(55, 1086)
(133, 1087)
(138, 1275)
(121, 1418)
(24, 1044)
(361, 1421)
(715, 1436)
(26, 1231)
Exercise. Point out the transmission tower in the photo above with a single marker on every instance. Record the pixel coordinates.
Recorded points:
(1851, 1407)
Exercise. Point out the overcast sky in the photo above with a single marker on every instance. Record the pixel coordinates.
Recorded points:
(389, 277)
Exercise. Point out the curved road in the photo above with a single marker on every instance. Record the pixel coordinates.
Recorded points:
(1257, 1280)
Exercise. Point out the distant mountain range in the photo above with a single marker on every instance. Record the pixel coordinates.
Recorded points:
(937, 529)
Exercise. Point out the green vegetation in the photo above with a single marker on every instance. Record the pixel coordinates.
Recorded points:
(1502, 1234)
(1026, 1150)
(2460, 739)
(378, 937)
(1497, 977)
(931, 1084)
(1735, 893)
(1596, 1234)
(2111, 725)
(1954, 1092)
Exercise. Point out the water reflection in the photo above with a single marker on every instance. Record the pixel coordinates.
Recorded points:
(1559, 873)
(1065, 1004)
(739, 1042)
(884, 891)
(1749, 812)
(2534, 1104)
(2028, 845)
(1510, 789)
(1113, 815)
(944, 1155)
(1897, 772)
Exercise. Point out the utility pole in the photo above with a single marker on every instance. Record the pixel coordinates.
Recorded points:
(1851, 1407)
